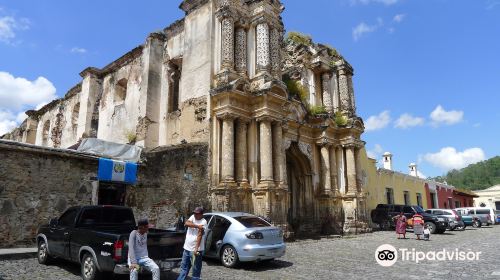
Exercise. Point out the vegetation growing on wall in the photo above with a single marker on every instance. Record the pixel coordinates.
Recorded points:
(317, 110)
(299, 38)
(131, 136)
(340, 119)
(296, 89)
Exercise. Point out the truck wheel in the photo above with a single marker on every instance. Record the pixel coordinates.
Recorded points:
(431, 226)
(43, 253)
(229, 256)
(476, 224)
(89, 268)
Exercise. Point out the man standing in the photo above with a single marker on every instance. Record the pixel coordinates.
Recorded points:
(194, 245)
(138, 252)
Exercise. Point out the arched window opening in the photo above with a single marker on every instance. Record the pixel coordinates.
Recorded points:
(120, 91)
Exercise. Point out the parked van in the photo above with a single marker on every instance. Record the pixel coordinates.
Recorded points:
(485, 214)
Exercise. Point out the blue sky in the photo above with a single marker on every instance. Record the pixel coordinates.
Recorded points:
(427, 73)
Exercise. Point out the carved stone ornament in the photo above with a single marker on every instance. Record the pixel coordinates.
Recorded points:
(275, 50)
(227, 42)
(262, 45)
(241, 50)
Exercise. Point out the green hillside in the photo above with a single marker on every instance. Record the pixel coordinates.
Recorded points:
(477, 176)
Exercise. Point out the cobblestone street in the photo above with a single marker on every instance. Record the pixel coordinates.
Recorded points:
(347, 258)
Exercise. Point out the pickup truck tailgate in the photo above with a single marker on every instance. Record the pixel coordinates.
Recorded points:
(165, 244)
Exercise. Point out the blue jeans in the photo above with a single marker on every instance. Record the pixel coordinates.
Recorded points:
(186, 265)
(148, 264)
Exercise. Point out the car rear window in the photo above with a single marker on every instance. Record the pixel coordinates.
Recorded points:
(482, 211)
(252, 222)
(106, 216)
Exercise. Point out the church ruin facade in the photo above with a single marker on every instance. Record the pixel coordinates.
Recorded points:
(278, 113)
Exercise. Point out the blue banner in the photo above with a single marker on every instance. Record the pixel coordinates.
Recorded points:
(117, 171)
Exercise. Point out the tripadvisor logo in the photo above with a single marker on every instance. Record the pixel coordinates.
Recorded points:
(387, 255)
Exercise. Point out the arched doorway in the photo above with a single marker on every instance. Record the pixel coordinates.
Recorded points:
(299, 175)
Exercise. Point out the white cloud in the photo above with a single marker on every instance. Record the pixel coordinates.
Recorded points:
(78, 50)
(399, 18)
(366, 2)
(9, 25)
(17, 93)
(407, 120)
(376, 152)
(7, 122)
(441, 116)
(363, 28)
(378, 122)
(449, 158)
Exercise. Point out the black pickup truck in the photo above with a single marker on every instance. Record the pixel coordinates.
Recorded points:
(96, 237)
(384, 213)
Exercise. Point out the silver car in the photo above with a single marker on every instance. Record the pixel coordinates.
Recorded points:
(235, 237)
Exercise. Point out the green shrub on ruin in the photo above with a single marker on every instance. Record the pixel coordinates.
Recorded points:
(340, 119)
(317, 110)
(299, 38)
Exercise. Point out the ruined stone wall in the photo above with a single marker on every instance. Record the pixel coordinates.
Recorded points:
(172, 181)
(37, 184)
(118, 119)
(62, 129)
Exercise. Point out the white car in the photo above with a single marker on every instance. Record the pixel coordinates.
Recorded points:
(234, 237)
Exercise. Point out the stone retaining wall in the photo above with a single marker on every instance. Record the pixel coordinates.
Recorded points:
(38, 183)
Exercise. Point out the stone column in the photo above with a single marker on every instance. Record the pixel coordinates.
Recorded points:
(277, 152)
(266, 151)
(351, 170)
(275, 50)
(339, 152)
(345, 98)
(227, 148)
(241, 51)
(263, 58)
(227, 43)
(241, 152)
(325, 169)
(327, 93)
(333, 170)
(357, 164)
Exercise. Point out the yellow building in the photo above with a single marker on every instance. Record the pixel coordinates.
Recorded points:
(383, 185)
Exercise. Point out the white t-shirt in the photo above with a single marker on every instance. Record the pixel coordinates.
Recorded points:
(427, 231)
(192, 234)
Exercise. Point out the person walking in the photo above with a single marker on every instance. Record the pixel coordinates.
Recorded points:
(194, 245)
(400, 225)
(418, 225)
(427, 233)
(138, 252)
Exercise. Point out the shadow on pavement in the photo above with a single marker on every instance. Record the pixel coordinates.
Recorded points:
(70, 267)
(256, 266)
